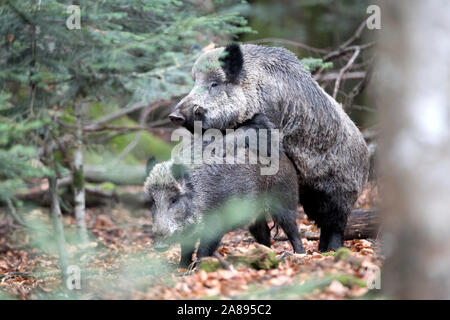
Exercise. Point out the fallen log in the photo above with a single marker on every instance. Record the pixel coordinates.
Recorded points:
(95, 196)
(119, 175)
(361, 224)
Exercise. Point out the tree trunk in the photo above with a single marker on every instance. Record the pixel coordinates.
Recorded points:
(413, 88)
(78, 179)
(58, 227)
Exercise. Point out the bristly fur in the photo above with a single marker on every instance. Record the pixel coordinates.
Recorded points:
(326, 147)
(185, 199)
(232, 61)
(160, 175)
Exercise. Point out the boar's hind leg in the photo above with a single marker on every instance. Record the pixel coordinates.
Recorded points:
(331, 237)
(260, 230)
(325, 233)
(287, 222)
(330, 212)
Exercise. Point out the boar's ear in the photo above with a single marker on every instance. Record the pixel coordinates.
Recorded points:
(232, 61)
(150, 164)
(179, 171)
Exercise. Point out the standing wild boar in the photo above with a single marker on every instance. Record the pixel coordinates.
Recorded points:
(188, 202)
(233, 84)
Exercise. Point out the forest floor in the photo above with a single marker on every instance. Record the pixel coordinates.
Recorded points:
(119, 263)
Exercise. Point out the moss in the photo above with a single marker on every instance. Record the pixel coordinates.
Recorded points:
(107, 186)
(264, 258)
(210, 265)
(57, 156)
(148, 144)
(239, 261)
(67, 116)
(329, 254)
(259, 258)
(98, 110)
(342, 254)
(78, 178)
(350, 281)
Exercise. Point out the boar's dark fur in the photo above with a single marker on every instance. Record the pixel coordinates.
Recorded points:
(186, 198)
(233, 84)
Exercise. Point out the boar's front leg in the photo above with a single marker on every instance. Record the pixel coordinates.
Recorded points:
(187, 249)
(261, 231)
(208, 244)
(287, 221)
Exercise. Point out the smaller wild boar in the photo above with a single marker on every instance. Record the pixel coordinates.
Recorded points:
(187, 204)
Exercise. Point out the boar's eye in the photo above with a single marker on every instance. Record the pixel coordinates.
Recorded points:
(151, 201)
(174, 199)
(213, 85)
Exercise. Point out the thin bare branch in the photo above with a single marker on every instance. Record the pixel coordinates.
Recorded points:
(334, 75)
(14, 213)
(114, 128)
(357, 50)
(340, 52)
(222, 261)
(122, 112)
(144, 114)
(355, 36)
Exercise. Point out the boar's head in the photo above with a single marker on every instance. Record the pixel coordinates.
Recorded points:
(219, 96)
(169, 195)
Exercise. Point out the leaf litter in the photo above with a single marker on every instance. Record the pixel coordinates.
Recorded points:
(119, 263)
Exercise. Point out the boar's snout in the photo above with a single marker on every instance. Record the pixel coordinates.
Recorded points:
(161, 234)
(186, 112)
(160, 246)
(177, 118)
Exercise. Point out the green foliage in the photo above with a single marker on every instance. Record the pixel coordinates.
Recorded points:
(318, 23)
(210, 264)
(312, 64)
(342, 254)
(349, 280)
(259, 258)
(16, 157)
(147, 145)
(137, 49)
(329, 254)
(126, 51)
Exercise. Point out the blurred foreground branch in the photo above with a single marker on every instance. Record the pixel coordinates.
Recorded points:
(362, 224)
